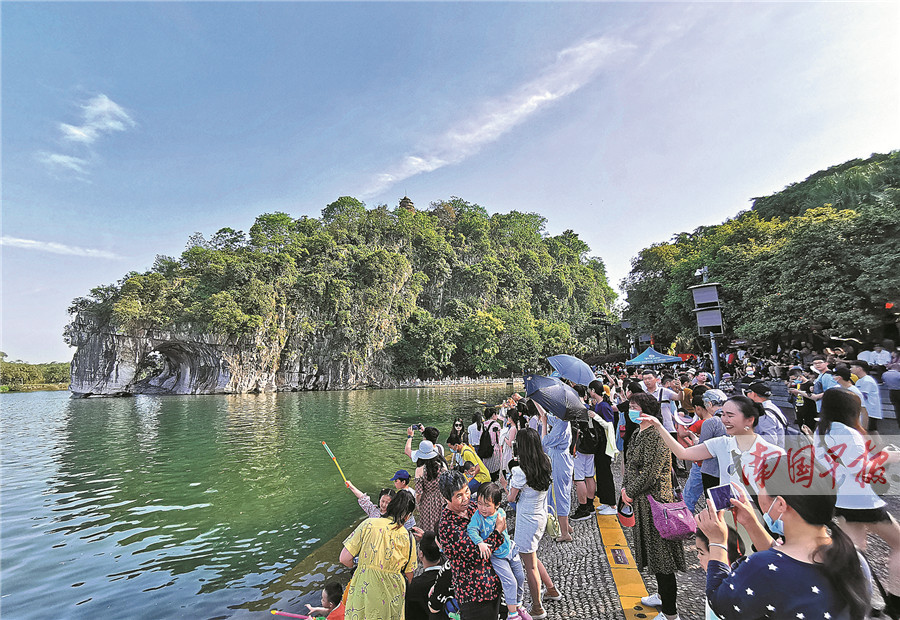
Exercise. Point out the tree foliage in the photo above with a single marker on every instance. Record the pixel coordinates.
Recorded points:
(820, 256)
(451, 290)
(16, 374)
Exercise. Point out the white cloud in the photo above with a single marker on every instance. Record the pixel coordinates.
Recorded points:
(574, 67)
(56, 160)
(56, 248)
(101, 115)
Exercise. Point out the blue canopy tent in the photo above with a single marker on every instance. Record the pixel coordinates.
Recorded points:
(651, 357)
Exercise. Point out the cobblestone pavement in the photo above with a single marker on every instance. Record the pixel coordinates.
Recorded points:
(582, 573)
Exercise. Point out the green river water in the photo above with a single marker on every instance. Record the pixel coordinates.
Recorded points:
(193, 506)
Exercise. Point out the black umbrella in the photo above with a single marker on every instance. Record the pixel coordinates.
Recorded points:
(556, 397)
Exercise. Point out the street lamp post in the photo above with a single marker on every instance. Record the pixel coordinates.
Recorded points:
(708, 309)
(626, 327)
(599, 319)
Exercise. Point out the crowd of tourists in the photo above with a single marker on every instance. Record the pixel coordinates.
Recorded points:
(458, 536)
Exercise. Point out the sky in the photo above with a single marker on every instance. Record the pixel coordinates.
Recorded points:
(127, 127)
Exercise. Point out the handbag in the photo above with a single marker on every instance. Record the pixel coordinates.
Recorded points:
(673, 521)
(552, 528)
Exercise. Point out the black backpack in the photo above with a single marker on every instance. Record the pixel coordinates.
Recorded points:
(794, 438)
(587, 439)
(485, 444)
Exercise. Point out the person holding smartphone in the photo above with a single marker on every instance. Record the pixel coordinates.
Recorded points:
(704, 474)
(817, 571)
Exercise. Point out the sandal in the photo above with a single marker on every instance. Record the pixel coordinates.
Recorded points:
(564, 538)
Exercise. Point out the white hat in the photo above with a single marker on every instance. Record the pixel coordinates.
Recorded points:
(684, 420)
(426, 451)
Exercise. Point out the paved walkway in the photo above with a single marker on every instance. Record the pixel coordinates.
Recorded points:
(588, 580)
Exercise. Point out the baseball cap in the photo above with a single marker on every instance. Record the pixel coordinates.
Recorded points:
(401, 474)
(861, 363)
(760, 388)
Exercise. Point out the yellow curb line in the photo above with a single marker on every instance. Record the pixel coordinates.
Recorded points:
(629, 582)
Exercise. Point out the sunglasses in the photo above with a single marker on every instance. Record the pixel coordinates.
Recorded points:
(457, 425)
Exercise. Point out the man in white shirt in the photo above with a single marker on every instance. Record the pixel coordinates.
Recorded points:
(668, 405)
(880, 356)
(824, 381)
(667, 398)
(865, 355)
(475, 429)
(869, 390)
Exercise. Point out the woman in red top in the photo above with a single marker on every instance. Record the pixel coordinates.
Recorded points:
(476, 585)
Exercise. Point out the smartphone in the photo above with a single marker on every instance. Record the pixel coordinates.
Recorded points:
(720, 496)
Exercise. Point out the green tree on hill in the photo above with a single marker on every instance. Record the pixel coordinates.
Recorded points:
(444, 291)
(820, 256)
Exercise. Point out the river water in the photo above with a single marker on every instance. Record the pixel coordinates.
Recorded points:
(193, 506)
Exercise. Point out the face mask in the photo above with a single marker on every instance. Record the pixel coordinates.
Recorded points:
(633, 415)
(777, 526)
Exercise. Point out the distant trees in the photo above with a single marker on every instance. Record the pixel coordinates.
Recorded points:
(820, 256)
(15, 374)
(450, 290)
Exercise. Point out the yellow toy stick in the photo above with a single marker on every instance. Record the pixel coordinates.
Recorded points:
(331, 454)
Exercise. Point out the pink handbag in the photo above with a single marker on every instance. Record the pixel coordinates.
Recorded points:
(673, 521)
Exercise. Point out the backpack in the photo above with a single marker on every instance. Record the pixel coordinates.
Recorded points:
(793, 436)
(587, 438)
(486, 444)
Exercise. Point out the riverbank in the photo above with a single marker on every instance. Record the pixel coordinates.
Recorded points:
(34, 387)
(418, 383)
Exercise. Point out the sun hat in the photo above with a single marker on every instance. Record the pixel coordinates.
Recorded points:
(684, 418)
(625, 513)
(426, 451)
(716, 397)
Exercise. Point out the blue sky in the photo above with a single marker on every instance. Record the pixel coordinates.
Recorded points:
(126, 127)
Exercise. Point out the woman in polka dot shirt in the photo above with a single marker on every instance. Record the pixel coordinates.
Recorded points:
(816, 574)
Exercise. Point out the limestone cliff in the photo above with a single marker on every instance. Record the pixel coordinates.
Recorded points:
(112, 362)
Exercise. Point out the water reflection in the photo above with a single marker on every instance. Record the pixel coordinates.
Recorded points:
(151, 501)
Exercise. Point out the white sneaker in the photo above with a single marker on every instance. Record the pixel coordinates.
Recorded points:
(603, 509)
(652, 601)
(662, 616)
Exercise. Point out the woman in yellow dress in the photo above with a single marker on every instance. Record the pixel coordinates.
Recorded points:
(387, 560)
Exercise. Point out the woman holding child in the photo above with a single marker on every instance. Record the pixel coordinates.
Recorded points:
(475, 583)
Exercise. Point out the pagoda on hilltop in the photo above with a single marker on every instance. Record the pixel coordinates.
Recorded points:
(406, 203)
